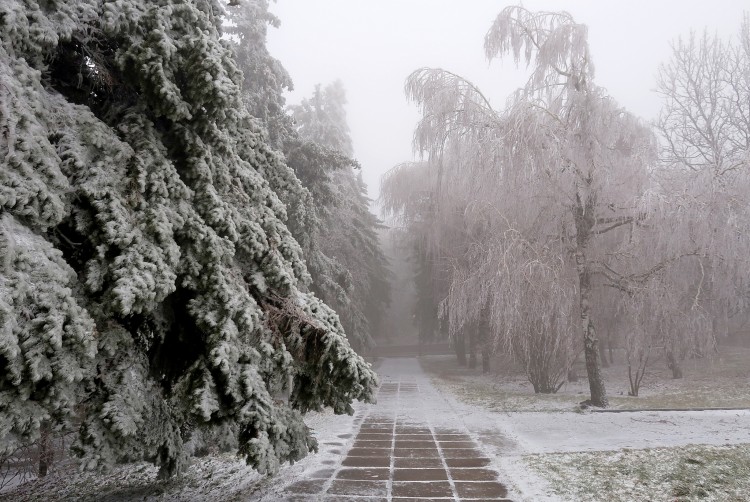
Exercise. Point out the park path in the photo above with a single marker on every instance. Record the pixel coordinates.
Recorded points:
(410, 446)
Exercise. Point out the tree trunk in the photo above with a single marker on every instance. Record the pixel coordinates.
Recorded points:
(593, 369)
(460, 347)
(677, 371)
(472, 329)
(633, 392)
(603, 344)
(674, 364)
(485, 341)
(572, 375)
(485, 360)
(584, 220)
(45, 450)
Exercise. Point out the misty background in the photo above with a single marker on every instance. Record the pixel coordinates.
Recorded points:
(373, 46)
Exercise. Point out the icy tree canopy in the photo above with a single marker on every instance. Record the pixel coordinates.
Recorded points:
(149, 286)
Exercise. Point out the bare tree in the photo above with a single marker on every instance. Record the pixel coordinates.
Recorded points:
(705, 131)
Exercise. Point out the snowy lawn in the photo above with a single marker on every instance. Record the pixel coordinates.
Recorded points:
(706, 473)
(579, 455)
(719, 381)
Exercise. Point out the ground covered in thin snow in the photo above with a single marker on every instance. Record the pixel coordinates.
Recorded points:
(545, 453)
(554, 451)
(721, 380)
(705, 473)
(222, 477)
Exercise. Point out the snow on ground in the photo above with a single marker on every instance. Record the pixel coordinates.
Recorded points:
(222, 477)
(721, 380)
(559, 437)
(335, 435)
(568, 432)
(554, 454)
(513, 440)
(441, 409)
(686, 473)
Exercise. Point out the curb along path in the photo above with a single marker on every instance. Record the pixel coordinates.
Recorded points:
(410, 446)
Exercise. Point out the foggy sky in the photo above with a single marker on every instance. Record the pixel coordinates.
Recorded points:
(372, 46)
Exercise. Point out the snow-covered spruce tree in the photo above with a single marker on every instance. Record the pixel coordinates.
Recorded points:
(353, 268)
(327, 219)
(149, 284)
(265, 78)
(322, 118)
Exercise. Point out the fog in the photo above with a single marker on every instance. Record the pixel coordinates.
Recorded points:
(373, 46)
(548, 301)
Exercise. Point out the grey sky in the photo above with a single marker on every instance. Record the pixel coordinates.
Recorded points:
(372, 46)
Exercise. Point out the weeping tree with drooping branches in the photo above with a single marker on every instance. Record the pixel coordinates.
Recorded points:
(433, 222)
(575, 138)
(432, 203)
(523, 290)
(563, 167)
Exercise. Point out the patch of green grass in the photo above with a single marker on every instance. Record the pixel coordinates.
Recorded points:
(687, 473)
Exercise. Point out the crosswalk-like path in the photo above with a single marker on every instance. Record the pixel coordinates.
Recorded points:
(408, 447)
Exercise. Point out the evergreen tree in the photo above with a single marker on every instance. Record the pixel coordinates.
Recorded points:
(348, 230)
(265, 78)
(149, 284)
(331, 218)
(322, 118)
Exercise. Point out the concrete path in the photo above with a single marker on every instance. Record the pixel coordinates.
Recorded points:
(410, 446)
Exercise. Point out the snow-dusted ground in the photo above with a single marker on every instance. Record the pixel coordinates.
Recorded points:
(577, 432)
(512, 436)
(507, 437)
(221, 477)
(504, 437)
(569, 432)
(444, 410)
(427, 406)
(699, 473)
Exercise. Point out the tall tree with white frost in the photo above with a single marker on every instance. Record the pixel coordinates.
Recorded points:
(353, 269)
(148, 284)
(581, 143)
(322, 118)
(551, 192)
(705, 130)
(265, 78)
(331, 221)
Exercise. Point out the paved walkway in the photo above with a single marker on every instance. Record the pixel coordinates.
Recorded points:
(410, 446)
